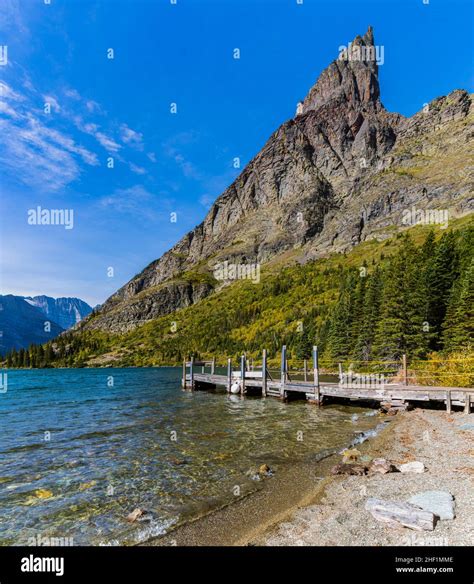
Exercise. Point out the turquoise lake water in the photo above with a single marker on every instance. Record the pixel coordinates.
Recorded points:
(82, 448)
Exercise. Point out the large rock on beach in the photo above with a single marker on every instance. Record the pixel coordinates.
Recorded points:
(441, 503)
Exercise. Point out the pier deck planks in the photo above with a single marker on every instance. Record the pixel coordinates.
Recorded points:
(390, 392)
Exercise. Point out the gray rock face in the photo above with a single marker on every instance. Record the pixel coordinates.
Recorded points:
(157, 302)
(441, 503)
(353, 77)
(23, 324)
(66, 312)
(342, 171)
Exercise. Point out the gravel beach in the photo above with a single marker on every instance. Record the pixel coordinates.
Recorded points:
(309, 506)
(443, 442)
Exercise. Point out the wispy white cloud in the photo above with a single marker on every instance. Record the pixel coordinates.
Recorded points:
(206, 200)
(11, 17)
(108, 143)
(93, 129)
(135, 200)
(7, 110)
(173, 149)
(137, 169)
(38, 149)
(52, 101)
(72, 93)
(212, 185)
(92, 106)
(35, 153)
(131, 137)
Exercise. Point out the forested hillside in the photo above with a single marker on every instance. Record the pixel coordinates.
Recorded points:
(413, 293)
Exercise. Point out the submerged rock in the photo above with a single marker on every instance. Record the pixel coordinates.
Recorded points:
(265, 470)
(135, 515)
(258, 474)
(349, 469)
(178, 461)
(441, 503)
(351, 455)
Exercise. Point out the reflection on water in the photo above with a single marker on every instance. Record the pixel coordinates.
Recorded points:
(82, 448)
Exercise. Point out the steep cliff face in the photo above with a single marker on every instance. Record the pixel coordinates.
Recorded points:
(23, 324)
(66, 312)
(342, 171)
(279, 201)
(38, 319)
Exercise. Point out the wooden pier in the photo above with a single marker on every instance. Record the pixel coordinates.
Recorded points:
(245, 380)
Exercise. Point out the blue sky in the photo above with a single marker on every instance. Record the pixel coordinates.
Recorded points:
(173, 163)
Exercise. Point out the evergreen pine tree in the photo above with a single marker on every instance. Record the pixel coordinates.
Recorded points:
(339, 342)
(400, 327)
(370, 316)
(303, 346)
(358, 308)
(459, 324)
(439, 275)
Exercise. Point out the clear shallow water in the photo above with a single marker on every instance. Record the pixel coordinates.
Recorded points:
(78, 455)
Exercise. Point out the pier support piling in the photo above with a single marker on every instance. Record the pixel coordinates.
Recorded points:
(467, 403)
(317, 394)
(448, 401)
(242, 374)
(284, 365)
(229, 374)
(264, 373)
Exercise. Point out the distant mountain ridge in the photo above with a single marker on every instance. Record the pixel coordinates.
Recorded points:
(66, 312)
(26, 320)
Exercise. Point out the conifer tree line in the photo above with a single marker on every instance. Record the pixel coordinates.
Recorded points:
(420, 301)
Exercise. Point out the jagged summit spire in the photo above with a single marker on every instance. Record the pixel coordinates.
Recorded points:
(352, 77)
(369, 36)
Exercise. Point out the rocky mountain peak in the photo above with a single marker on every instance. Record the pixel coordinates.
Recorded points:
(351, 78)
(340, 172)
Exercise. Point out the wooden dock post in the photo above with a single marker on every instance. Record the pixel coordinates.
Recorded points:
(242, 374)
(448, 401)
(183, 381)
(405, 369)
(229, 374)
(340, 373)
(317, 395)
(284, 366)
(305, 369)
(191, 372)
(213, 366)
(467, 403)
(264, 373)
